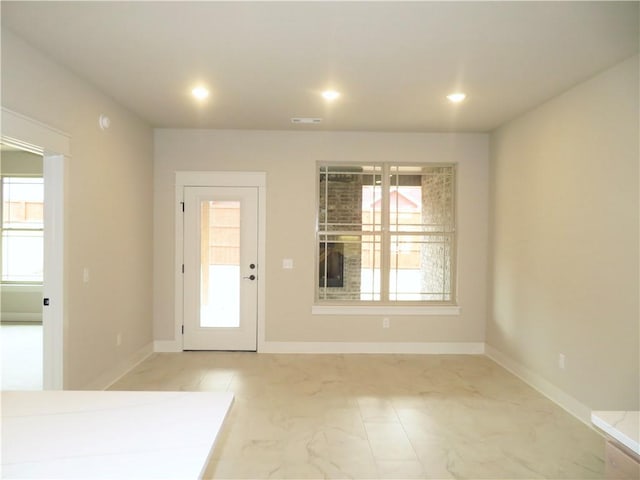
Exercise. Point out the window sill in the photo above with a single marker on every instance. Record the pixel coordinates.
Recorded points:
(385, 310)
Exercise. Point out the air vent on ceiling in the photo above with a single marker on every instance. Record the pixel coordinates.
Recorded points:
(307, 120)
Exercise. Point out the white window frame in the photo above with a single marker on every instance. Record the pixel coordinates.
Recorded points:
(2, 229)
(384, 306)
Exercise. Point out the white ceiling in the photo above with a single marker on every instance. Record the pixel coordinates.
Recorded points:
(393, 62)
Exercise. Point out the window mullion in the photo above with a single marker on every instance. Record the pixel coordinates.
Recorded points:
(385, 246)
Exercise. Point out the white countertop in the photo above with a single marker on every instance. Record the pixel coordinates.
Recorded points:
(64, 434)
(622, 426)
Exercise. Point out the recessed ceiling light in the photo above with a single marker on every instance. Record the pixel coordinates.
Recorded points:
(200, 93)
(456, 97)
(330, 95)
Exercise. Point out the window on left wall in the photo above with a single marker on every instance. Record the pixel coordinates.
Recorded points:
(22, 229)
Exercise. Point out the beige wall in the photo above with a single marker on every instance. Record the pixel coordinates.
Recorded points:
(564, 202)
(289, 159)
(108, 210)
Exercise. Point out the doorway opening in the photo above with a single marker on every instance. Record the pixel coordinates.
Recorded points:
(22, 272)
(53, 147)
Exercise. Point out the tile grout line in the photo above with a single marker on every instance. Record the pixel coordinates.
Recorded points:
(413, 447)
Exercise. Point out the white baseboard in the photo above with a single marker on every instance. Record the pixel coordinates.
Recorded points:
(546, 388)
(110, 377)
(461, 348)
(166, 346)
(469, 348)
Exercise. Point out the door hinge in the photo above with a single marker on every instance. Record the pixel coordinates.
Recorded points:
(182, 203)
(183, 268)
(183, 329)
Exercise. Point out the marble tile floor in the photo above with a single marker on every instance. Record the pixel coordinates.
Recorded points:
(377, 416)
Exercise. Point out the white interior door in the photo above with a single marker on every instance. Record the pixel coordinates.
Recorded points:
(220, 268)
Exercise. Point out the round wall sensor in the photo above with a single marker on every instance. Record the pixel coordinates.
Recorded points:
(104, 122)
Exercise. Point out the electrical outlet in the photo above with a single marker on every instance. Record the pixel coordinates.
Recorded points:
(85, 275)
(561, 361)
(118, 340)
(385, 322)
(287, 263)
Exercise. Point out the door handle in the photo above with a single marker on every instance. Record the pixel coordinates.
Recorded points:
(250, 277)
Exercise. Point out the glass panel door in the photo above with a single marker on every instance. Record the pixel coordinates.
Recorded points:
(220, 281)
(220, 263)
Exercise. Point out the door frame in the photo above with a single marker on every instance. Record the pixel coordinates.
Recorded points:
(218, 179)
(54, 146)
